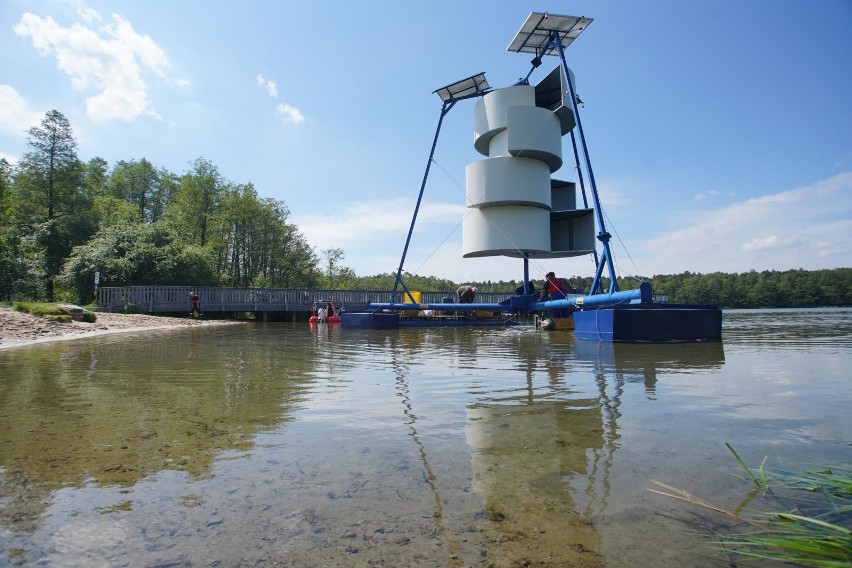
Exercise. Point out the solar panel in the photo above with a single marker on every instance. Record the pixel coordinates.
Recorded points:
(460, 89)
(534, 35)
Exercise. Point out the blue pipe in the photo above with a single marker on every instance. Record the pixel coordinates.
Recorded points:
(642, 294)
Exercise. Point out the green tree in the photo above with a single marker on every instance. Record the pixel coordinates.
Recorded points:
(12, 267)
(254, 244)
(198, 197)
(284, 257)
(137, 183)
(95, 177)
(233, 236)
(52, 203)
(167, 188)
(333, 273)
(137, 255)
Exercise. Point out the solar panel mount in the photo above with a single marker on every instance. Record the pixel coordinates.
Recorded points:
(536, 35)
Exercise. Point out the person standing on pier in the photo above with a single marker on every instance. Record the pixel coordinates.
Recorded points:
(195, 299)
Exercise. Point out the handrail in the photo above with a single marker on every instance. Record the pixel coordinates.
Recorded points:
(156, 299)
(162, 299)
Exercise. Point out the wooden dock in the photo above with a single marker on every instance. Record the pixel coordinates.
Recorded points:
(267, 304)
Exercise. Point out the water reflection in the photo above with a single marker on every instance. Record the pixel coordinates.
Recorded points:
(403, 390)
(629, 363)
(113, 411)
(800, 329)
(285, 444)
(542, 456)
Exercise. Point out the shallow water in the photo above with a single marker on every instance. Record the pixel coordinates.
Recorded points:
(282, 444)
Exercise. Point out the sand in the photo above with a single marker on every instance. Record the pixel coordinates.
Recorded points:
(19, 329)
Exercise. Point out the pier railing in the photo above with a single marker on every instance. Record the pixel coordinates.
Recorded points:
(167, 299)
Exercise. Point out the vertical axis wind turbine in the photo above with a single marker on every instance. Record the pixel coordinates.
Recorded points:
(544, 34)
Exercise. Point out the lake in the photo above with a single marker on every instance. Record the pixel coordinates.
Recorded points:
(291, 445)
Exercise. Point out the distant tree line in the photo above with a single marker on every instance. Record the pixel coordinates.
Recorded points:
(767, 289)
(63, 220)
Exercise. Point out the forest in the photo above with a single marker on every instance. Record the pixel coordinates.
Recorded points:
(62, 220)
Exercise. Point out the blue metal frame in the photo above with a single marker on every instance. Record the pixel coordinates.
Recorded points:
(603, 235)
(609, 315)
(445, 109)
(597, 295)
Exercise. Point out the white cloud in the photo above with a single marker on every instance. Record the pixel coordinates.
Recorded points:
(110, 61)
(16, 115)
(374, 222)
(702, 196)
(771, 242)
(373, 233)
(290, 113)
(614, 192)
(271, 87)
(87, 14)
(9, 158)
(807, 227)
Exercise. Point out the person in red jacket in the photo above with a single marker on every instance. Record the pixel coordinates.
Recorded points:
(556, 289)
(195, 299)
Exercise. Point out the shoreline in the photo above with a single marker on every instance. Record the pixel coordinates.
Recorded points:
(18, 329)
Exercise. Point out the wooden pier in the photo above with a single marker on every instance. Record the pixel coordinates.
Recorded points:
(267, 304)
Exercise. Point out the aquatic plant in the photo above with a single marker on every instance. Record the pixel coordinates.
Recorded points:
(809, 523)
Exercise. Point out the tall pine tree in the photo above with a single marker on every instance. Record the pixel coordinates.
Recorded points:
(53, 205)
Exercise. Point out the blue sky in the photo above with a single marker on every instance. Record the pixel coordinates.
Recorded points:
(720, 132)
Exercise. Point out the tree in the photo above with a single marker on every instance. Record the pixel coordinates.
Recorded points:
(197, 198)
(167, 188)
(95, 177)
(256, 245)
(137, 183)
(137, 255)
(334, 273)
(52, 203)
(12, 267)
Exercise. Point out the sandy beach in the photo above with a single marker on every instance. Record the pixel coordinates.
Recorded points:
(18, 329)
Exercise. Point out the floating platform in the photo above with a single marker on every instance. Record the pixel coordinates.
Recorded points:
(393, 320)
(651, 323)
(370, 320)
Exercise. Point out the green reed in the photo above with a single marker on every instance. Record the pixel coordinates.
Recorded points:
(805, 519)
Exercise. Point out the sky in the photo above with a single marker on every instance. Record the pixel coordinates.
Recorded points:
(720, 133)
